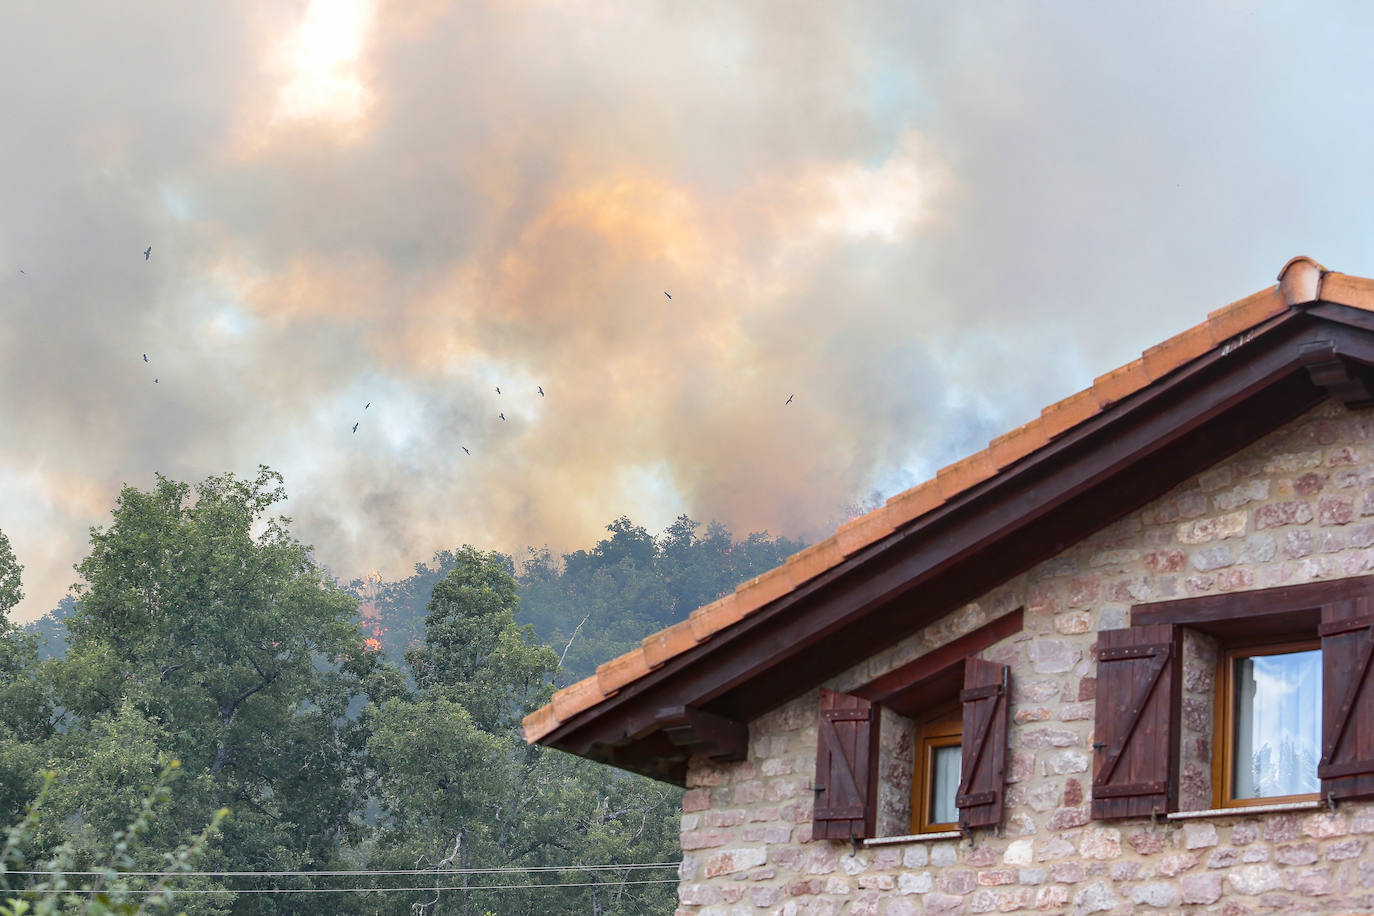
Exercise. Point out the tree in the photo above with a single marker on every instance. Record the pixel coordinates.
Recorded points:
(110, 892)
(205, 630)
(458, 786)
(25, 713)
(605, 600)
(10, 570)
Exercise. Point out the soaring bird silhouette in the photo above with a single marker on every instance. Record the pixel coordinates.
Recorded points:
(502, 416)
(145, 357)
(465, 450)
(498, 389)
(789, 399)
(148, 252)
(367, 405)
(541, 391)
(665, 292)
(21, 270)
(355, 427)
(154, 381)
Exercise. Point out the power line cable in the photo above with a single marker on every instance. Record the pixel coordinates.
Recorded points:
(342, 890)
(496, 870)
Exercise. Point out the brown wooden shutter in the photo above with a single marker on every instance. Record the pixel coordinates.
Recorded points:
(846, 768)
(984, 761)
(1136, 739)
(1347, 765)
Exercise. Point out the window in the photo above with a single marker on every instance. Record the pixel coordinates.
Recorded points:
(938, 769)
(1294, 699)
(948, 713)
(1269, 719)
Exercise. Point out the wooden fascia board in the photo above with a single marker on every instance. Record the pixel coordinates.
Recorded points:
(1138, 425)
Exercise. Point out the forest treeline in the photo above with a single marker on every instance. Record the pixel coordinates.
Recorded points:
(203, 632)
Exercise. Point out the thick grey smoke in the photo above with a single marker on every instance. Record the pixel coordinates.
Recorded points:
(924, 223)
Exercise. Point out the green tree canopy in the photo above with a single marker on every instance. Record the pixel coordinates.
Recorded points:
(10, 570)
(458, 786)
(204, 630)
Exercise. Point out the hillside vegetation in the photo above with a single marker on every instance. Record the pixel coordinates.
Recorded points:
(371, 728)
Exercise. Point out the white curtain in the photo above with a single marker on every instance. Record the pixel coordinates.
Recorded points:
(1278, 724)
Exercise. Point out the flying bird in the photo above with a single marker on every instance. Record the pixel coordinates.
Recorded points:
(367, 405)
(498, 389)
(145, 357)
(541, 391)
(502, 416)
(154, 381)
(21, 270)
(665, 292)
(465, 450)
(355, 427)
(789, 399)
(147, 252)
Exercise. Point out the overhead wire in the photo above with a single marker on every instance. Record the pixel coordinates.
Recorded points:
(362, 872)
(345, 890)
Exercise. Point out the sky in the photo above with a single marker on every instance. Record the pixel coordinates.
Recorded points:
(921, 222)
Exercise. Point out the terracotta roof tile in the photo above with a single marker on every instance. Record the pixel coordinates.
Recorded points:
(1165, 357)
(1301, 281)
(856, 534)
(1347, 290)
(1243, 314)
(913, 503)
(1017, 444)
(539, 723)
(571, 700)
(1120, 382)
(710, 619)
(807, 564)
(758, 591)
(667, 643)
(954, 479)
(1064, 415)
(621, 670)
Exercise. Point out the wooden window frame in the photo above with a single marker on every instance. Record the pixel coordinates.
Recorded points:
(944, 729)
(1337, 615)
(1223, 733)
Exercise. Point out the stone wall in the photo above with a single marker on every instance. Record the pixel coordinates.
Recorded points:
(1296, 507)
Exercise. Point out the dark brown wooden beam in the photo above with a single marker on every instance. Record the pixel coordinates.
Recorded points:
(1342, 381)
(698, 730)
(1267, 613)
(890, 689)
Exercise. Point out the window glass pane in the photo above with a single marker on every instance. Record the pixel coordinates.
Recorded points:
(1278, 724)
(944, 783)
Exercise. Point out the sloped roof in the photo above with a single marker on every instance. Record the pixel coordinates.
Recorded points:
(1303, 284)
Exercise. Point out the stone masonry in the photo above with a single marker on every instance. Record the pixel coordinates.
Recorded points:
(1297, 506)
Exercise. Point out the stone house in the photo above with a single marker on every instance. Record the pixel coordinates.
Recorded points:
(1116, 662)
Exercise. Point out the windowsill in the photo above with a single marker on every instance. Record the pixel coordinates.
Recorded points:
(1241, 810)
(913, 838)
